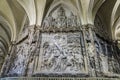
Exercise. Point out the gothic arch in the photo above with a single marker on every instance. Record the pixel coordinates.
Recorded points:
(63, 4)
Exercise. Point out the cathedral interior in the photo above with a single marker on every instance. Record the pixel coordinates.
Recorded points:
(65, 38)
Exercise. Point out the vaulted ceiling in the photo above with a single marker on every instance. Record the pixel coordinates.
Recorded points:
(14, 13)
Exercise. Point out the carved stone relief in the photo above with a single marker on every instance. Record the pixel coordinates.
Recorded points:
(61, 52)
(18, 66)
(25, 51)
(61, 21)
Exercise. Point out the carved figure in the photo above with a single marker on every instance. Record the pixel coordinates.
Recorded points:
(61, 19)
(31, 32)
(73, 20)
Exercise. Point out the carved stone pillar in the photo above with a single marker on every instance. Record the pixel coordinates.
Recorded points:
(86, 58)
(33, 40)
(93, 48)
(37, 50)
(9, 59)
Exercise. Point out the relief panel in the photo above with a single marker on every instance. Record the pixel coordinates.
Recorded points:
(61, 53)
(59, 21)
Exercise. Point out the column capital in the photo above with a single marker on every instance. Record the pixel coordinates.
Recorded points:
(91, 26)
(34, 27)
(88, 26)
(84, 27)
(38, 27)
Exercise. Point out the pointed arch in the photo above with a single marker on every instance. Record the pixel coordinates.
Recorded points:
(62, 3)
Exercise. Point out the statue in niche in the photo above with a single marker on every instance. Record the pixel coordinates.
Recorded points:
(68, 22)
(61, 18)
(91, 49)
(31, 31)
(73, 20)
(91, 52)
(87, 35)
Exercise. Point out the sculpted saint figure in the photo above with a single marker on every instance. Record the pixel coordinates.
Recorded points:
(61, 19)
(73, 20)
(31, 32)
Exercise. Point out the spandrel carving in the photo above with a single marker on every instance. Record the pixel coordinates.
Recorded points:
(61, 56)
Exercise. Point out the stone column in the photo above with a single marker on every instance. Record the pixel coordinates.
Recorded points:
(37, 51)
(91, 32)
(33, 44)
(86, 58)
